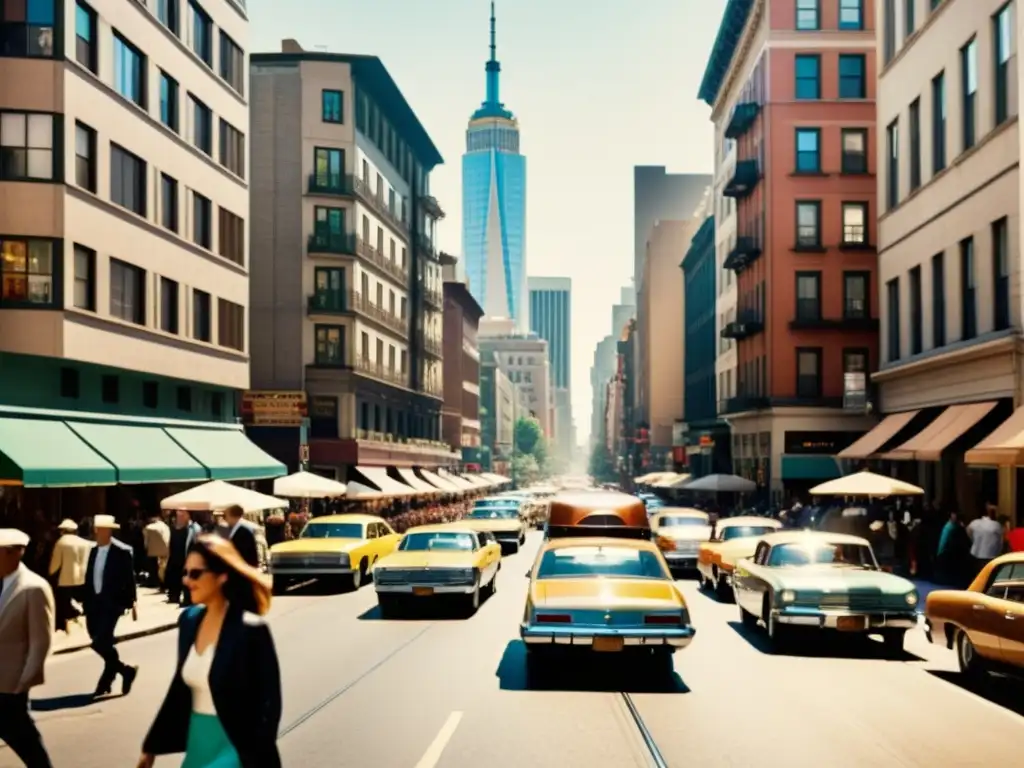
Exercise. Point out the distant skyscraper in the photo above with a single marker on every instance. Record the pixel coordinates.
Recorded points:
(550, 318)
(494, 205)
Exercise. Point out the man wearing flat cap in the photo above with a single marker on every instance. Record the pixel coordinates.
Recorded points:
(26, 632)
(67, 568)
(108, 593)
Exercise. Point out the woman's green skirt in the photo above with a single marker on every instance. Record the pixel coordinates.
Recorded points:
(208, 745)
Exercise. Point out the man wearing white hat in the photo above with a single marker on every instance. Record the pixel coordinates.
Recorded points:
(26, 632)
(67, 566)
(108, 593)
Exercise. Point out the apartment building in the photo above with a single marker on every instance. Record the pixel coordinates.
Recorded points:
(524, 359)
(461, 415)
(347, 284)
(792, 83)
(948, 244)
(125, 271)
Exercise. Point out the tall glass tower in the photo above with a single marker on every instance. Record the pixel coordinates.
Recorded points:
(494, 206)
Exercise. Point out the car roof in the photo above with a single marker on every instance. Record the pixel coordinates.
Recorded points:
(348, 517)
(797, 537)
(456, 527)
(729, 522)
(600, 541)
(572, 508)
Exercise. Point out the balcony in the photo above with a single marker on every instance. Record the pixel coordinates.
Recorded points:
(362, 306)
(365, 367)
(744, 179)
(379, 205)
(433, 298)
(855, 317)
(432, 207)
(327, 303)
(425, 246)
(747, 323)
(332, 184)
(393, 269)
(743, 403)
(745, 253)
(339, 243)
(743, 116)
(433, 346)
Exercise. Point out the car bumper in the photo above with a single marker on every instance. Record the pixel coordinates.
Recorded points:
(300, 570)
(871, 621)
(410, 589)
(681, 559)
(584, 636)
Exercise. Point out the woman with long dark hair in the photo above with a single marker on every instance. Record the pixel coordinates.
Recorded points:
(223, 708)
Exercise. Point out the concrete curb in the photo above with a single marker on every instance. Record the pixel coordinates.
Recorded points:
(80, 646)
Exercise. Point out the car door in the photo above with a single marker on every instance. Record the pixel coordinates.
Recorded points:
(1011, 640)
(744, 582)
(488, 564)
(387, 539)
(985, 620)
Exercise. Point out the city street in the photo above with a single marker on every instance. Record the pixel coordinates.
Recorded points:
(449, 692)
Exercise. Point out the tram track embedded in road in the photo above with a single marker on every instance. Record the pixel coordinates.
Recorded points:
(656, 758)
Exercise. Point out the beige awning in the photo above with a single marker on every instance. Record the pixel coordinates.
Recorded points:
(459, 482)
(478, 481)
(930, 442)
(879, 435)
(1004, 447)
(388, 485)
(410, 479)
(441, 483)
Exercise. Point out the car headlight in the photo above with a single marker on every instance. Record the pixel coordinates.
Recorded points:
(343, 560)
(788, 596)
(911, 598)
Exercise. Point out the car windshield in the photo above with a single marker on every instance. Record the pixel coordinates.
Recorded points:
(494, 513)
(671, 521)
(605, 561)
(745, 531)
(819, 553)
(421, 542)
(332, 531)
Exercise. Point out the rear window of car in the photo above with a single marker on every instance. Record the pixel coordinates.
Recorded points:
(744, 531)
(594, 562)
(494, 513)
(668, 521)
(422, 542)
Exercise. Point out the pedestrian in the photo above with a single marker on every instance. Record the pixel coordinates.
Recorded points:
(240, 532)
(988, 536)
(109, 593)
(68, 564)
(230, 718)
(26, 633)
(156, 537)
(183, 534)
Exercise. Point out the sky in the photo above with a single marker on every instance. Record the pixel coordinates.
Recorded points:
(598, 86)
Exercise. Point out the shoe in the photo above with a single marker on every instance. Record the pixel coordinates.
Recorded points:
(102, 689)
(128, 679)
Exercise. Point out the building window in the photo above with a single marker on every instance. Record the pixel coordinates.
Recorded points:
(851, 14)
(231, 233)
(168, 202)
(330, 345)
(201, 317)
(855, 223)
(915, 144)
(329, 167)
(808, 15)
(26, 146)
(202, 125)
(232, 149)
(169, 101)
(808, 295)
(938, 122)
(909, 21)
(85, 278)
(808, 76)
(129, 71)
(892, 156)
(855, 361)
(939, 300)
(110, 389)
(855, 150)
(232, 64)
(333, 106)
(202, 34)
(808, 372)
(85, 157)
(916, 313)
(184, 398)
(329, 287)
(969, 77)
(892, 290)
(127, 180)
(808, 150)
(856, 295)
(852, 76)
(808, 224)
(889, 32)
(230, 325)
(85, 36)
(27, 28)
(167, 12)
(1001, 274)
(1001, 35)
(968, 290)
(27, 270)
(150, 394)
(168, 305)
(202, 221)
(217, 404)
(127, 292)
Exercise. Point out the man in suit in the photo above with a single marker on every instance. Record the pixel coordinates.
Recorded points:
(240, 533)
(26, 632)
(183, 534)
(67, 567)
(108, 593)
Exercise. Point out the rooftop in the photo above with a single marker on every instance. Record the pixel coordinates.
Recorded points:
(729, 32)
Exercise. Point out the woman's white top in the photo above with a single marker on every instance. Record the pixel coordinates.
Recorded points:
(196, 674)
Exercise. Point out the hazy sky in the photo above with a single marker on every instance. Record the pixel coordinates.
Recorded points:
(598, 86)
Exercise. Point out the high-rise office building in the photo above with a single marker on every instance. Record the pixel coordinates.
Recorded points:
(494, 205)
(550, 318)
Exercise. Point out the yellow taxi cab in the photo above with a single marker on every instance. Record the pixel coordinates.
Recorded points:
(433, 561)
(500, 518)
(342, 547)
(735, 538)
(679, 532)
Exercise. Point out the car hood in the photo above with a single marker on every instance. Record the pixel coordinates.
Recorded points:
(314, 546)
(685, 532)
(830, 578)
(492, 525)
(605, 593)
(736, 549)
(427, 559)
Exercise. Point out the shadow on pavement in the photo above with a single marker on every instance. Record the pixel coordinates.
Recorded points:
(427, 609)
(1001, 691)
(609, 674)
(71, 701)
(823, 645)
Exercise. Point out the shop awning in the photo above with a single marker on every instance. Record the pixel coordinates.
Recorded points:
(477, 481)
(1004, 447)
(47, 454)
(379, 477)
(797, 467)
(458, 482)
(415, 483)
(879, 435)
(930, 442)
(495, 478)
(440, 482)
(228, 454)
(140, 454)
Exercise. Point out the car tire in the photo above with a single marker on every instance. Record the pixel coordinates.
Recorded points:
(967, 656)
(493, 586)
(893, 642)
(723, 591)
(358, 575)
(748, 619)
(473, 601)
(513, 548)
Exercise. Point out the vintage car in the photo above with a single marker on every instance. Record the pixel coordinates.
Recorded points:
(438, 561)
(602, 595)
(680, 532)
(830, 581)
(504, 522)
(735, 538)
(344, 547)
(985, 622)
(597, 513)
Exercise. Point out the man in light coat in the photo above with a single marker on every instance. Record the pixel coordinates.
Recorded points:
(67, 567)
(26, 633)
(157, 539)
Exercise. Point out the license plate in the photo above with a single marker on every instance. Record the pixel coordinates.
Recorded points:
(851, 623)
(608, 644)
(423, 591)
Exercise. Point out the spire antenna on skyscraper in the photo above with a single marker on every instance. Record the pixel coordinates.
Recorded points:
(494, 45)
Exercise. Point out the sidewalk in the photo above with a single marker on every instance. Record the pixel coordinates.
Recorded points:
(155, 615)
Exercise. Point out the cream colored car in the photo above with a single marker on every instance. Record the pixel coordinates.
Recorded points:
(679, 532)
(735, 539)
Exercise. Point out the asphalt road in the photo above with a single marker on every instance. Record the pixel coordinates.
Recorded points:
(446, 692)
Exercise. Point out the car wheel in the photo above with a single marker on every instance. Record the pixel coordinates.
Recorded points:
(893, 642)
(748, 619)
(357, 576)
(493, 586)
(473, 602)
(967, 656)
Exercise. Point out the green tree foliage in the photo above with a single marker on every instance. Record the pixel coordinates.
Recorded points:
(531, 451)
(525, 469)
(528, 435)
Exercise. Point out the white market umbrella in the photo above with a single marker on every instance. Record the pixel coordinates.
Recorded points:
(866, 484)
(308, 485)
(720, 483)
(217, 494)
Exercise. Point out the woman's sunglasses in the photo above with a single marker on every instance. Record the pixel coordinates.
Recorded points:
(193, 574)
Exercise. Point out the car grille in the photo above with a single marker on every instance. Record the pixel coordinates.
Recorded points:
(687, 547)
(297, 560)
(434, 577)
(867, 602)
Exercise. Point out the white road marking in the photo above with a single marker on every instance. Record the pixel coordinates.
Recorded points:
(433, 754)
